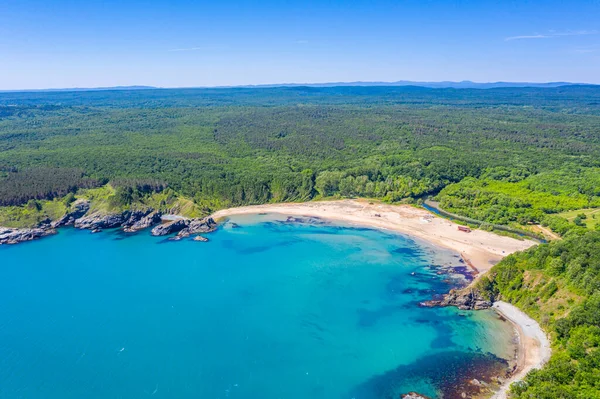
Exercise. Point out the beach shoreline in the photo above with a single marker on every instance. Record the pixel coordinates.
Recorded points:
(533, 347)
(479, 249)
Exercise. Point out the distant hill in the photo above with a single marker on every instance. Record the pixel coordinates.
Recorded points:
(465, 84)
(85, 89)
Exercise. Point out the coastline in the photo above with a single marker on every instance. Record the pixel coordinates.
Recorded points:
(480, 249)
(533, 348)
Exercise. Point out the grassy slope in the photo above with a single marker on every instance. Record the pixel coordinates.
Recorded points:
(102, 200)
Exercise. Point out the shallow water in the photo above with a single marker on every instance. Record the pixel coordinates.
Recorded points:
(267, 310)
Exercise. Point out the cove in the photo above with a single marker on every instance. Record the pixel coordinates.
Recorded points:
(266, 309)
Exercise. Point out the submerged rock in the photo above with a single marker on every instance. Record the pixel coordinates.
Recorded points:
(78, 209)
(15, 236)
(449, 372)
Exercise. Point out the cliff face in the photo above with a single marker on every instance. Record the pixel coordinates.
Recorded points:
(78, 209)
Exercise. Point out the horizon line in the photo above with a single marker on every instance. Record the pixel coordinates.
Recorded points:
(365, 83)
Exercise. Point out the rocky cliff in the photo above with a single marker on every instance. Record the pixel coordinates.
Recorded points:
(78, 209)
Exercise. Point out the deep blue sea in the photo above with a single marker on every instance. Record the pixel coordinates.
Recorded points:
(266, 310)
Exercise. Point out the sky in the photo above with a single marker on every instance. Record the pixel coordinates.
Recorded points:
(68, 43)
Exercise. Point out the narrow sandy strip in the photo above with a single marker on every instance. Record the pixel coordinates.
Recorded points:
(480, 248)
(534, 346)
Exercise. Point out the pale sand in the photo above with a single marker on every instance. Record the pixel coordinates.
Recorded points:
(480, 248)
(534, 346)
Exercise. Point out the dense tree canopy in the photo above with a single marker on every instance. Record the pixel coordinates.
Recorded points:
(558, 284)
(242, 146)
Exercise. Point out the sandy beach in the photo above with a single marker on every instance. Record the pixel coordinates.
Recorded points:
(481, 249)
(534, 346)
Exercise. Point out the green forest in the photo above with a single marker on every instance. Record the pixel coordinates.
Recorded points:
(504, 156)
(521, 157)
(559, 285)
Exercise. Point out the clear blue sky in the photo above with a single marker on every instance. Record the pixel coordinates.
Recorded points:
(68, 43)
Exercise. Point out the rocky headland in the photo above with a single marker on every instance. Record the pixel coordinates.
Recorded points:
(468, 298)
(15, 236)
(80, 217)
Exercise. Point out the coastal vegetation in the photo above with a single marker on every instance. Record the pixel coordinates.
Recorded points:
(504, 156)
(558, 284)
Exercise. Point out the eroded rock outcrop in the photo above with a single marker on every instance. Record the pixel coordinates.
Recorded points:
(196, 226)
(413, 395)
(15, 236)
(97, 221)
(468, 298)
(78, 209)
(139, 220)
(169, 228)
(185, 227)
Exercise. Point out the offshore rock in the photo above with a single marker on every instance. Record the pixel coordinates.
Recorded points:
(78, 209)
(195, 226)
(140, 220)
(200, 238)
(170, 228)
(413, 395)
(465, 299)
(102, 221)
(15, 236)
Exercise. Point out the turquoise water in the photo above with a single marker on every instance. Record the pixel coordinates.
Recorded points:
(267, 310)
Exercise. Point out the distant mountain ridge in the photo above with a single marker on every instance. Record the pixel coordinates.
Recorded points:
(465, 84)
(84, 89)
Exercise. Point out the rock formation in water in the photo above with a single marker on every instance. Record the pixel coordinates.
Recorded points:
(130, 221)
(185, 227)
(195, 226)
(468, 298)
(413, 395)
(140, 220)
(169, 228)
(15, 236)
(102, 221)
